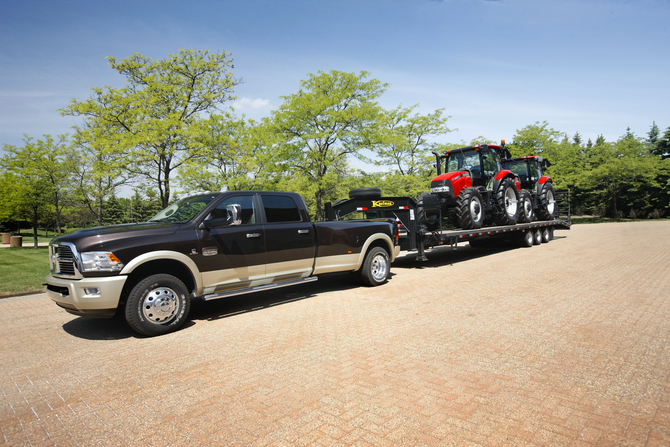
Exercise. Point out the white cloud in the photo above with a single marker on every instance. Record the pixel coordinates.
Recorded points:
(253, 104)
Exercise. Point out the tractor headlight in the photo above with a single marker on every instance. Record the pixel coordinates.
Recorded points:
(439, 189)
(99, 261)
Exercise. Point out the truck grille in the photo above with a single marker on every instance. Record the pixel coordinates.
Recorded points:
(63, 260)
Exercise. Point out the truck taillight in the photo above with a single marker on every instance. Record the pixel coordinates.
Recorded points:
(397, 233)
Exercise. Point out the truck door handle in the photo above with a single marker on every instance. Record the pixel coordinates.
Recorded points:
(303, 231)
(250, 235)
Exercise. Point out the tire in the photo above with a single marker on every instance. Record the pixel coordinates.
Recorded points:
(526, 209)
(537, 237)
(376, 267)
(545, 235)
(546, 208)
(365, 193)
(508, 201)
(526, 238)
(470, 209)
(157, 305)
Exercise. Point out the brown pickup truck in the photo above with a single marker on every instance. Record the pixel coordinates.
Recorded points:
(206, 247)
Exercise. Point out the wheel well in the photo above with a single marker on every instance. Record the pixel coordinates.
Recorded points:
(379, 243)
(171, 267)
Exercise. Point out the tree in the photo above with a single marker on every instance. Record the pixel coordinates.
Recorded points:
(153, 121)
(232, 156)
(403, 139)
(621, 172)
(663, 145)
(43, 172)
(535, 139)
(332, 116)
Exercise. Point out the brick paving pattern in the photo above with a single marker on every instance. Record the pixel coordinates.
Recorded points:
(562, 344)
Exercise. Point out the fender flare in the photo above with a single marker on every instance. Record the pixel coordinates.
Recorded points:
(162, 255)
(373, 238)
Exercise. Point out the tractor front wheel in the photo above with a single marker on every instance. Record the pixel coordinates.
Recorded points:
(508, 201)
(470, 209)
(547, 203)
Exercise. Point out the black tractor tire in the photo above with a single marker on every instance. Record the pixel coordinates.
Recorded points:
(508, 201)
(546, 203)
(157, 305)
(470, 209)
(526, 207)
(365, 193)
(376, 267)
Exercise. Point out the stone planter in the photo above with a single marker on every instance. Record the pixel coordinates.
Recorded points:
(6, 237)
(16, 241)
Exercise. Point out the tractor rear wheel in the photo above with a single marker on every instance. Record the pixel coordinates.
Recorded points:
(470, 208)
(508, 201)
(546, 209)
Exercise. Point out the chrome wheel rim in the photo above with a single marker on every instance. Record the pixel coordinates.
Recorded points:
(510, 202)
(160, 305)
(528, 207)
(475, 209)
(551, 202)
(379, 267)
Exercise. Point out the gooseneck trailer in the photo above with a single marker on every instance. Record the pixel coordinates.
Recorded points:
(416, 236)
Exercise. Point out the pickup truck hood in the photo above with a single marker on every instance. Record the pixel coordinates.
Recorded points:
(115, 236)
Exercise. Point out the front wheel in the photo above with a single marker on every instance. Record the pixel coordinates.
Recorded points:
(157, 305)
(470, 209)
(526, 212)
(547, 203)
(376, 267)
(508, 201)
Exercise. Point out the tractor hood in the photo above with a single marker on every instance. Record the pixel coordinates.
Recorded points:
(449, 176)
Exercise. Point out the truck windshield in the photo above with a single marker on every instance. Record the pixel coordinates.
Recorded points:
(184, 210)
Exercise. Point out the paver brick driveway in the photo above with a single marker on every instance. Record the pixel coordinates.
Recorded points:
(565, 343)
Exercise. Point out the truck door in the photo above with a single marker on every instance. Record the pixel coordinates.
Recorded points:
(290, 242)
(233, 256)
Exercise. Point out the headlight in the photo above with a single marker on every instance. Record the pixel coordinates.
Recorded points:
(439, 189)
(100, 261)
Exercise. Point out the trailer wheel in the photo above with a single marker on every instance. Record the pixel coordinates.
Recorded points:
(376, 267)
(526, 238)
(508, 200)
(545, 235)
(365, 193)
(537, 237)
(470, 209)
(551, 233)
(157, 305)
(526, 211)
(546, 209)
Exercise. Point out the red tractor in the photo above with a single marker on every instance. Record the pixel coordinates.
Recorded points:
(475, 189)
(537, 196)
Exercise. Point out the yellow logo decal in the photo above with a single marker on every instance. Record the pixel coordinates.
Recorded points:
(381, 203)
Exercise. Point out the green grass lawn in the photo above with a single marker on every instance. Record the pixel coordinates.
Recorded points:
(23, 270)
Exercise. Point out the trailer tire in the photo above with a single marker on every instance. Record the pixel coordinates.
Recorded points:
(537, 237)
(526, 238)
(470, 209)
(376, 267)
(158, 304)
(546, 203)
(545, 235)
(365, 193)
(508, 201)
(526, 209)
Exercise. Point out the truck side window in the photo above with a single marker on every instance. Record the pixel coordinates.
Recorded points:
(247, 204)
(280, 209)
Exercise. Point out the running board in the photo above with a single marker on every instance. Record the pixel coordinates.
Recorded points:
(293, 282)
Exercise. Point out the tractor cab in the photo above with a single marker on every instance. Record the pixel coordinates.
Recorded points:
(475, 166)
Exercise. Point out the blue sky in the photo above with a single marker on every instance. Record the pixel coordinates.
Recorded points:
(593, 66)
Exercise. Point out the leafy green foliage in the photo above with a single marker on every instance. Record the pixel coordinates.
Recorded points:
(151, 127)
